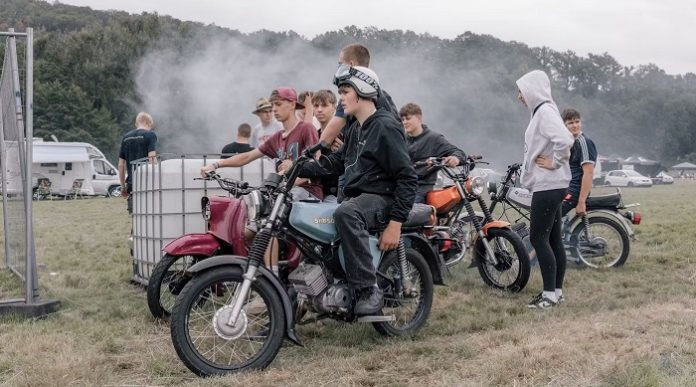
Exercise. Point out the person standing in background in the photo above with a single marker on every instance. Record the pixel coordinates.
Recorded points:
(267, 126)
(241, 145)
(545, 173)
(139, 143)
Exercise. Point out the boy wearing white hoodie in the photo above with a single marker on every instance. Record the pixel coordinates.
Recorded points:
(545, 173)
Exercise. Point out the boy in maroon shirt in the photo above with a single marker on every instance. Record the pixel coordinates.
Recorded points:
(287, 144)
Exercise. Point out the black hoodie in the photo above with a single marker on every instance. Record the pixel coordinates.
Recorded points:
(430, 144)
(374, 159)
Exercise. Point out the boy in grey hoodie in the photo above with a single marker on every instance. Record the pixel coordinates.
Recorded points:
(545, 173)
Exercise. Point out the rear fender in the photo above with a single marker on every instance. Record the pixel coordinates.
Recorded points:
(241, 262)
(420, 244)
(613, 215)
(193, 244)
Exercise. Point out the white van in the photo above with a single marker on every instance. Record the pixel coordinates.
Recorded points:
(70, 164)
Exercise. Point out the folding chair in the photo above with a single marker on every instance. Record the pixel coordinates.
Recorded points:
(43, 190)
(76, 189)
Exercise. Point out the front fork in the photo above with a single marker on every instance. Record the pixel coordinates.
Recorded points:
(241, 294)
(256, 254)
(490, 254)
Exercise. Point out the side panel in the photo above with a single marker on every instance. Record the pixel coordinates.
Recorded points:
(193, 244)
(316, 220)
(377, 254)
(228, 219)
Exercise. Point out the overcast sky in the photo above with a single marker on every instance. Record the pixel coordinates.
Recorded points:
(633, 31)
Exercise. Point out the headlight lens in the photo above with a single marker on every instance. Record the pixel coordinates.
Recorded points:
(492, 187)
(254, 201)
(205, 208)
(475, 186)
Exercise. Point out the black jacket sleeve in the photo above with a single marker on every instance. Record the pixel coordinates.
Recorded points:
(327, 165)
(395, 160)
(444, 148)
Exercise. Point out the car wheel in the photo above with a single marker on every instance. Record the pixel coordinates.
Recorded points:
(114, 191)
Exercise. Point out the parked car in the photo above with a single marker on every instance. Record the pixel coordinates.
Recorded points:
(627, 178)
(663, 178)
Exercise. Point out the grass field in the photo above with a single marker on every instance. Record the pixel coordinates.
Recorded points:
(631, 326)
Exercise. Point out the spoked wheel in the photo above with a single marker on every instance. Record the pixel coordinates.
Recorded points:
(511, 272)
(166, 282)
(410, 305)
(608, 245)
(204, 340)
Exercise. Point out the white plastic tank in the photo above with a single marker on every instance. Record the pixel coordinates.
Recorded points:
(167, 203)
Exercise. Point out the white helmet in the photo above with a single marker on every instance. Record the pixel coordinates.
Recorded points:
(363, 80)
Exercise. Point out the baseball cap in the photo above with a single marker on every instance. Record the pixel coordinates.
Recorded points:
(262, 103)
(286, 93)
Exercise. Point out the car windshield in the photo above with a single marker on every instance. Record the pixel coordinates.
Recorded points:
(633, 174)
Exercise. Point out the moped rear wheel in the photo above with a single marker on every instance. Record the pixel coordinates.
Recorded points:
(609, 245)
(166, 282)
(411, 307)
(204, 341)
(511, 272)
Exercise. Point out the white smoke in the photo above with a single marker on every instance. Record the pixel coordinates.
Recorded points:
(199, 94)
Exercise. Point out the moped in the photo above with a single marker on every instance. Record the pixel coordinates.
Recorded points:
(233, 314)
(496, 250)
(598, 239)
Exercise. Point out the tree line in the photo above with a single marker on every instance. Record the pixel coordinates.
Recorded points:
(85, 61)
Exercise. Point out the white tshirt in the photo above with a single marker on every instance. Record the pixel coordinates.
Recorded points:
(261, 133)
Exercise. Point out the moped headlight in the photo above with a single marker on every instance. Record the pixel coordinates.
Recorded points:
(475, 186)
(205, 208)
(492, 187)
(255, 204)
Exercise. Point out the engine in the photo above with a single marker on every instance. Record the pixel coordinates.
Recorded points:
(316, 294)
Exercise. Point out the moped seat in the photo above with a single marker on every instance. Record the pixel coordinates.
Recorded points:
(604, 201)
(420, 215)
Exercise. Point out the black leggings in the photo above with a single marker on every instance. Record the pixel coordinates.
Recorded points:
(546, 238)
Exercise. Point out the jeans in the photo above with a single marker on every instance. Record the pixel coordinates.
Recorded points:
(354, 217)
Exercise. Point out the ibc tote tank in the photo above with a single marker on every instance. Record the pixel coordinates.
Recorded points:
(167, 203)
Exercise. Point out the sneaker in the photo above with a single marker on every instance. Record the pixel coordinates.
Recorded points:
(370, 301)
(541, 302)
(561, 299)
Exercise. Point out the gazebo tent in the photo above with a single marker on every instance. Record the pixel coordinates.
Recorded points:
(642, 165)
(684, 167)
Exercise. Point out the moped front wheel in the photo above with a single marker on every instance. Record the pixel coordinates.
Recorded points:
(410, 307)
(511, 271)
(204, 340)
(608, 245)
(166, 282)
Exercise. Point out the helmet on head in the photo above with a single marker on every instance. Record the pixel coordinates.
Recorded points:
(363, 80)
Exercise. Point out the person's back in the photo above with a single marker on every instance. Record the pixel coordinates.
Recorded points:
(242, 143)
(136, 144)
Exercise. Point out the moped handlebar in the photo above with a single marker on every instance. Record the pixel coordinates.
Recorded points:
(236, 188)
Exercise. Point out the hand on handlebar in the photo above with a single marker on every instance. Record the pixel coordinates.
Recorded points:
(284, 166)
(451, 161)
(207, 170)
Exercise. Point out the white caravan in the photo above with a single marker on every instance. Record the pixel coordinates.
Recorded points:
(67, 165)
